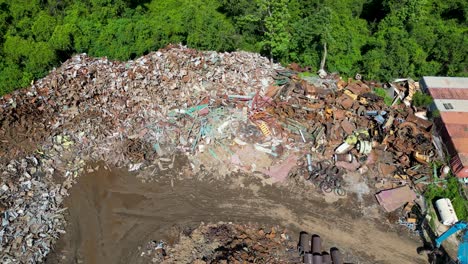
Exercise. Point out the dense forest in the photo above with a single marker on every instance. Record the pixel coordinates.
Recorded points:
(379, 39)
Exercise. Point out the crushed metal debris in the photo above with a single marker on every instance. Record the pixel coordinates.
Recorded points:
(226, 111)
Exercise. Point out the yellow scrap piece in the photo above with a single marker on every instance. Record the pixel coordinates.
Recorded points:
(328, 112)
(350, 94)
(421, 157)
(264, 128)
(67, 142)
(361, 131)
(402, 177)
(351, 140)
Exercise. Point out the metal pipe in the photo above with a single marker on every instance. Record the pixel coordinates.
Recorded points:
(316, 244)
(317, 259)
(302, 135)
(336, 256)
(326, 258)
(308, 258)
(309, 162)
(304, 243)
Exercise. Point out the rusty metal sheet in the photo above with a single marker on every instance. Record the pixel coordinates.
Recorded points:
(426, 124)
(386, 169)
(358, 88)
(449, 93)
(345, 101)
(339, 114)
(348, 127)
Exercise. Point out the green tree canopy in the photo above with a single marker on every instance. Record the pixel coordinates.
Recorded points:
(379, 39)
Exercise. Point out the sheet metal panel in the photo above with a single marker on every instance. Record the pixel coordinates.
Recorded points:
(451, 105)
(454, 117)
(461, 144)
(444, 82)
(447, 93)
(457, 130)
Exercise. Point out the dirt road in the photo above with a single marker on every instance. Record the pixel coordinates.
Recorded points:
(112, 213)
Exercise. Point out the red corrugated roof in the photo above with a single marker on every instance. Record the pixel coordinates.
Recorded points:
(457, 130)
(454, 117)
(461, 144)
(456, 125)
(449, 93)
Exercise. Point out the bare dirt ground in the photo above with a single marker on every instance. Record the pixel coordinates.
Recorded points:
(111, 214)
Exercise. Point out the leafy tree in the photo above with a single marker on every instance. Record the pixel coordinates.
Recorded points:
(421, 99)
(380, 39)
(275, 16)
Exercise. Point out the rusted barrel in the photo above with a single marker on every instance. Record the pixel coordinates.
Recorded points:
(308, 258)
(304, 243)
(316, 244)
(336, 256)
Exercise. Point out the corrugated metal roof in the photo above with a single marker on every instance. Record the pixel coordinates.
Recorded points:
(464, 158)
(451, 99)
(451, 105)
(457, 130)
(456, 126)
(454, 117)
(461, 144)
(449, 93)
(445, 82)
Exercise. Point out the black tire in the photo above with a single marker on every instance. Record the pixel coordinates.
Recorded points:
(340, 191)
(325, 187)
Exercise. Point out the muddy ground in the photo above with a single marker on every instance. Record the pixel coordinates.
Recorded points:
(112, 214)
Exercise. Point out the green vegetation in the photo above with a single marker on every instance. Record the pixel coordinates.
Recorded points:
(379, 39)
(433, 215)
(421, 99)
(449, 190)
(435, 113)
(382, 93)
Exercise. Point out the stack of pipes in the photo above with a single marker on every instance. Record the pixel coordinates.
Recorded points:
(310, 248)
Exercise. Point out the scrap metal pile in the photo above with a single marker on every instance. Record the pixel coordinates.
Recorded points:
(224, 243)
(226, 111)
(234, 243)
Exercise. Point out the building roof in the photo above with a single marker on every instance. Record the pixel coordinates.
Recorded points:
(445, 82)
(452, 105)
(456, 124)
(448, 93)
(451, 99)
(454, 117)
(457, 130)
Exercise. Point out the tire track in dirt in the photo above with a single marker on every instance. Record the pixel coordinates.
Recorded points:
(112, 213)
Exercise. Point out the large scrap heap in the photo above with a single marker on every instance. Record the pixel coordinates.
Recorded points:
(225, 111)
